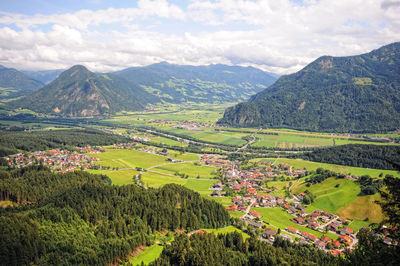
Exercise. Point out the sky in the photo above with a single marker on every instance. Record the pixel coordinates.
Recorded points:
(279, 36)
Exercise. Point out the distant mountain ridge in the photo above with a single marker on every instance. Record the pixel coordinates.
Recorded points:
(44, 76)
(77, 92)
(346, 94)
(212, 83)
(14, 83)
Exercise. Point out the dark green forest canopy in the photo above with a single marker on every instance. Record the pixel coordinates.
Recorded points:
(357, 155)
(78, 218)
(332, 94)
(231, 249)
(11, 142)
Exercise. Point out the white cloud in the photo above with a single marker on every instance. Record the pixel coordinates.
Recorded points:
(278, 36)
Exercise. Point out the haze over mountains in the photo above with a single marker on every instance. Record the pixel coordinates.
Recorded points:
(213, 83)
(14, 83)
(355, 93)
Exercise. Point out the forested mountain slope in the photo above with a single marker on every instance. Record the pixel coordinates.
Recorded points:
(14, 83)
(355, 93)
(80, 219)
(78, 92)
(213, 83)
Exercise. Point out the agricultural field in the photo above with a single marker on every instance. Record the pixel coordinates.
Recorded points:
(342, 200)
(194, 112)
(363, 208)
(151, 179)
(328, 196)
(148, 255)
(300, 164)
(167, 141)
(220, 137)
(118, 177)
(120, 158)
(286, 139)
(190, 169)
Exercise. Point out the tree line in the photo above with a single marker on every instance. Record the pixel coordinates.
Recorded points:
(79, 218)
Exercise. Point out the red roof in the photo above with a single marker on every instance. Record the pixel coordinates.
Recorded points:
(336, 243)
(255, 213)
(293, 229)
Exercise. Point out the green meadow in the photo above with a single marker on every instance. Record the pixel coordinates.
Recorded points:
(118, 177)
(297, 139)
(156, 180)
(148, 255)
(328, 196)
(300, 164)
(189, 169)
(227, 230)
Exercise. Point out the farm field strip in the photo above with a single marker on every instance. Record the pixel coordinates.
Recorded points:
(300, 164)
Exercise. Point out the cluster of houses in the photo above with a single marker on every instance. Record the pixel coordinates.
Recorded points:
(248, 194)
(126, 146)
(57, 159)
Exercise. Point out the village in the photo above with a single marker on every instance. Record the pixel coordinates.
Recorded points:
(61, 160)
(245, 187)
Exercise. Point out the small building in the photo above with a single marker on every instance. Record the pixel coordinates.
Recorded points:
(292, 230)
(268, 233)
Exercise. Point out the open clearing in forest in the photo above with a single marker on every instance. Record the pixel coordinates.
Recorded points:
(148, 255)
(227, 230)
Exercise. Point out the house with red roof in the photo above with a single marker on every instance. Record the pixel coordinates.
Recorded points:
(254, 213)
(292, 230)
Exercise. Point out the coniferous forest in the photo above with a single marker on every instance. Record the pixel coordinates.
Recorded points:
(79, 218)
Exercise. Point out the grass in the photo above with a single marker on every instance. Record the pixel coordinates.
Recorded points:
(362, 208)
(357, 224)
(187, 168)
(167, 141)
(119, 177)
(128, 158)
(300, 164)
(280, 218)
(157, 180)
(329, 197)
(227, 230)
(293, 139)
(148, 255)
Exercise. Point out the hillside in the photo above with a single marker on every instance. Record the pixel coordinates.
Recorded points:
(44, 76)
(339, 94)
(213, 83)
(14, 83)
(78, 92)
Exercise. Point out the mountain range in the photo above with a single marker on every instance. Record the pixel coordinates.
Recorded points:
(347, 94)
(77, 92)
(213, 83)
(14, 83)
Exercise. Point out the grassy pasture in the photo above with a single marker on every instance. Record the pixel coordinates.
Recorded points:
(120, 177)
(148, 255)
(363, 207)
(227, 230)
(167, 141)
(187, 168)
(299, 164)
(222, 137)
(328, 197)
(286, 139)
(157, 180)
